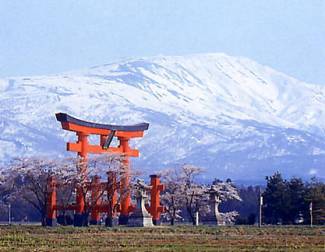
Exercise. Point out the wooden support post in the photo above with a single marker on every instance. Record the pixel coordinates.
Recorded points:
(112, 198)
(311, 213)
(124, 184)
(95, 201)
(155, 208)
(80, 217)
(260, 209)
(51, 202)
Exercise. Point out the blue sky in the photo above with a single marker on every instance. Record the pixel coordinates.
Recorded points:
(50, 36)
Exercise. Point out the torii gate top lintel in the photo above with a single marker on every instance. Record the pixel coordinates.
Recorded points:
(71, 123)
(106, 133)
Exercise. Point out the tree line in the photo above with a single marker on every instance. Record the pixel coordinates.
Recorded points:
(290, 201)
(23, 186)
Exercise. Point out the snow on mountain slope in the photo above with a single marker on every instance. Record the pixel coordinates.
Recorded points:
(230, 115)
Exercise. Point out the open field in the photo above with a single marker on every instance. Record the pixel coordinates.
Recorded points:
(180, 238)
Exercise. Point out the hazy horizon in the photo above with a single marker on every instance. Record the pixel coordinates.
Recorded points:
(47, 37)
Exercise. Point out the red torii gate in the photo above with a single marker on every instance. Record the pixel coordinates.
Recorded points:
(106, 132)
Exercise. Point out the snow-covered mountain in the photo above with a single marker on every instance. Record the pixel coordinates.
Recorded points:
(230, 115)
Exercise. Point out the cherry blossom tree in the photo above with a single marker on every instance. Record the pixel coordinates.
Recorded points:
(183, 191)
(172, 198)
(26, 179)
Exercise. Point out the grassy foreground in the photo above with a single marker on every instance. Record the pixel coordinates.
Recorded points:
(180, 238)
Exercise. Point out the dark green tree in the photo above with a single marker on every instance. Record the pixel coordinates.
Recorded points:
(277, 201)
(286, 201)
(298, 204)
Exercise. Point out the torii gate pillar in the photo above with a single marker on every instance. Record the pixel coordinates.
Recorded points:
(125, 189)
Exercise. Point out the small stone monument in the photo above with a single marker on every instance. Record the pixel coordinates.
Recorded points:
(213, 217)
(140, 216)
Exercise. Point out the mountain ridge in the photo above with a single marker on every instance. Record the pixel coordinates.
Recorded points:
(227, 114)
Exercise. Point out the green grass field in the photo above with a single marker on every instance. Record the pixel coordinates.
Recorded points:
(180, 238)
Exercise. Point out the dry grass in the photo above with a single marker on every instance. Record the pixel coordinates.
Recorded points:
(180, 238)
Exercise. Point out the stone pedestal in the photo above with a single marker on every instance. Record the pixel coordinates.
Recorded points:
(213, 217)
(140, 216)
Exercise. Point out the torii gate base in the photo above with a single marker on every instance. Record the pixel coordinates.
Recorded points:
(106, 133)
(108, 207)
